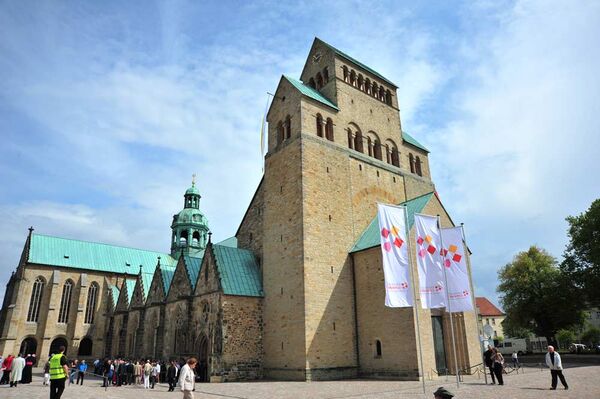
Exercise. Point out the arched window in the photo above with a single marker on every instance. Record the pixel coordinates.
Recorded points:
(329, 129)
(85, 347)
(346, 76)
(311, 83)
(350, 139)
(374, 89)
(326, 75)
(195, 238)
(183, 238)
(361, 82)
(377, 348)
(65, 302)
(288, 127)
(377, 149)
(395, 157)
(368, 86)
(319, 125)
(36, 299)
(411, 162)
(418, 166)
(392, 156)
(358, 142)
(92, 299)
(369, 146)
(280, 133)
(319, 81)
(353, 78)
(388, 97)
(382, 93)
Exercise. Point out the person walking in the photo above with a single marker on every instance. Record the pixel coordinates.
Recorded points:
(147, 373)
(47, 372)
(26, 378)
(515, 359)
(17, 370)
(81, 372)
(137, 372)
(59, 370)
(155, 374)
(6, 368)
(498, 365)
(489, 361)
(73, 371)
(172, 376)
(555, 365)
(187, 379)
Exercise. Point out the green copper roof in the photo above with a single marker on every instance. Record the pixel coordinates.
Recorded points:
(167, 273)
(229, 242)
(238, 271)
(115, 293)
(146, 281)
(63, 252)
(370, 237)
(356, 62)
(192, 265)
(310, 92)
(411, 140)
(192, 190)
(130, 284)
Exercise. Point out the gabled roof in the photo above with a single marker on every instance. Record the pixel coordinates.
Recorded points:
(192, 265)
(167, 273)
(411, 140)
(238, 271)
(64, 252)
(356, 62)
(310, 92)
(486, 307)
(130, 286)
(370, 236)
(146, 282)
(115, 291)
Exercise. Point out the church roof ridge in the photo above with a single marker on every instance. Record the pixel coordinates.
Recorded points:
(357, 63)
(310, 92)
(412, 141)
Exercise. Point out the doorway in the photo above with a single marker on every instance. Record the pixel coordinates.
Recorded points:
(202, 371)
(56, 344)
(437, 325)
(28, 347)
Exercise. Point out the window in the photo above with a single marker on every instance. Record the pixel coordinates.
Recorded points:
(493, 322)
(353, 78)
(350, 139)
(346, 76)
(65, 302)
(411, 161)
(319, 125)
(377, 348)
(288, 127)
(374, 89)
(280, 133)
(326, 75)
(91, 303)
(395, 157)
(388, 97)
(311, 83)
(319, 81)
(195, 238)
(377, 149)
(368, 86)
(358, 142)
(329, 129)
(36, 300)
(487, 321)
(361, 82)
(382, 93)
(418, 170)
(369, 146)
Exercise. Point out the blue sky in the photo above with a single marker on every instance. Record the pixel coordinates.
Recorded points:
(107, 108)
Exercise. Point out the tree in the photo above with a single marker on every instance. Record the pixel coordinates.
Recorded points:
(582, 256)
(537, 296)
(565, 338)
(591, 336)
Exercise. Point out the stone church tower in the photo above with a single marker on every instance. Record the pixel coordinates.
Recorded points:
(336, 147)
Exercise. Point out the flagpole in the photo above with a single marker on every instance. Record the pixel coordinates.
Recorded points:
(466, 249)
(443, 258)
(416, 308)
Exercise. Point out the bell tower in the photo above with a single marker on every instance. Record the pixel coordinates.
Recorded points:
(189, 227)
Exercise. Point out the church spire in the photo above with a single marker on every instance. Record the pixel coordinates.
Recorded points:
(189, 227)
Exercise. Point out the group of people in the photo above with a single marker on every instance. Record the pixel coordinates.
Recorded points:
(494, 361)
(16, 369)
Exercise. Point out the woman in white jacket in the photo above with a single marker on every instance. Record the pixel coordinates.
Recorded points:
(187, 378)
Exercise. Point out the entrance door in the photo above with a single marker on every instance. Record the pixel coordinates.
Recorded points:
(202, 365)
(28, 347)
(438, 343)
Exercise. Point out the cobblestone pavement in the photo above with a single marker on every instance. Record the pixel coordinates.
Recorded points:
(584, 384)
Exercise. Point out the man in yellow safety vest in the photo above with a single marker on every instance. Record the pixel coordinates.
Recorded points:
(58, 373)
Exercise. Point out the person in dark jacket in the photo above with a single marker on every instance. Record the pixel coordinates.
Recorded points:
(172, 376)
(488, 357)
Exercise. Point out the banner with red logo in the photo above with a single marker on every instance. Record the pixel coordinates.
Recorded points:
(457, 274)
(392, 229)
(429, 262)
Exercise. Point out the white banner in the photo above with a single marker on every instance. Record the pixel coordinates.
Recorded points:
(396, 272)
(457, 274)
(429, 262)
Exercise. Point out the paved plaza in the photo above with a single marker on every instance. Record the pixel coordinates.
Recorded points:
(584, 384)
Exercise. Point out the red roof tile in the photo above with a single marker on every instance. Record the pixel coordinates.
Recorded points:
(486, 308)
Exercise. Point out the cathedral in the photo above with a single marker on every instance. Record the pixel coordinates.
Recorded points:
(298, 292)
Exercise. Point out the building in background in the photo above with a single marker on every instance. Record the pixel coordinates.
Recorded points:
(489, 314)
